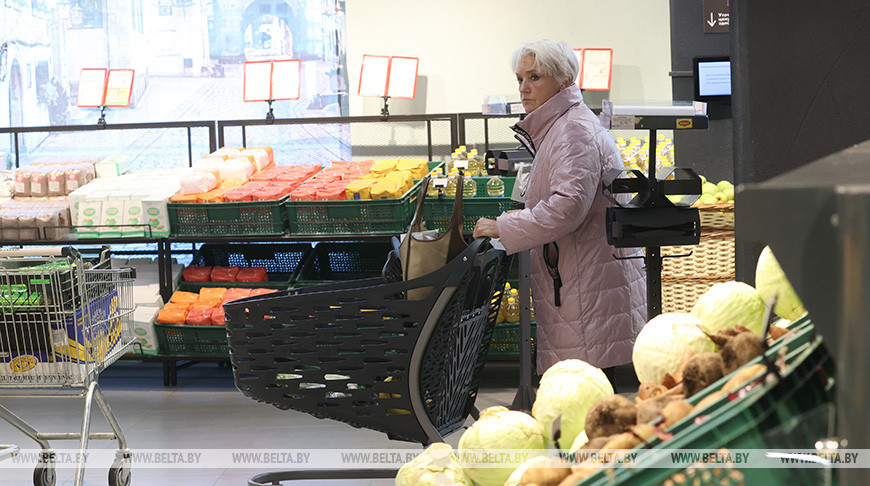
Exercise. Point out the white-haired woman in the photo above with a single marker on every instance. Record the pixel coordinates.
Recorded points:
(588, 304)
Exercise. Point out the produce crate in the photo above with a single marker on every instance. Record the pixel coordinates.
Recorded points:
(248, 218)
(506, 340)
(176, 339)
(789, 413)
(684, 279)
(367, 216)
(438, 210)
(339, 261)
(281, 260)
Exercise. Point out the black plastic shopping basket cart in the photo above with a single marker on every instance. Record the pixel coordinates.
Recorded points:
(362, 353)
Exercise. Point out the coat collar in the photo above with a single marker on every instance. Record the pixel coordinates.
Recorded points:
(532, 129)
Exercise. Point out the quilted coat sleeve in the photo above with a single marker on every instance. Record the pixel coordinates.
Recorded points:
(571, 177)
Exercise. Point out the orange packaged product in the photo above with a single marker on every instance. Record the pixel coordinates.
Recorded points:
(290, 177)
(266, 175)
(178, 305)
(239, 195)
(211, 293)
(213, 196)
(182, 297)
(256, 184)
(199, 317)
(235, 294)
(184, 198)
(205, 303)
(170, 315)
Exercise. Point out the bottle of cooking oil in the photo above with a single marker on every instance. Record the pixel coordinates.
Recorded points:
(469, 187)
(495, 187)
(503, 302)
(432, 190)
(512, 310)
(450, 190)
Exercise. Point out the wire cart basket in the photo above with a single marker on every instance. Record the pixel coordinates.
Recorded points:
(60, 325)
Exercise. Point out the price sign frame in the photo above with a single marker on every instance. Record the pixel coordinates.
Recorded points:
(118, 80)
(89, 78)
(391, 72)
(596, 70)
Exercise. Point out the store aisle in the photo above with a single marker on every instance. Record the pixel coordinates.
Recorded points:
(205, 411)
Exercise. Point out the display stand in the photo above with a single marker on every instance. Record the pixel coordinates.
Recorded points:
(525, 396)
(650, 219)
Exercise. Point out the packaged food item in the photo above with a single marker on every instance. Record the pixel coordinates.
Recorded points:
(57, 183)
(332, 192)
(226, 151)
(27, 229)
(199, 317)
(239, 195)
(9, 226)
(205, 303)
(269, 152)
(198, 182)
(252, 274)
(235, 294)
(418, 167)
(304, 193)
(236, 168)
(196, 274)
(256, 292)
(180, 296)
(210, 165)
(172, 315)
(184, 198)
(74, 178)
(212, 293)
(268, 194)
(260, 157)
(217, 316)
(384, 166)
(359, 189)
(22, 183)
(224, 274)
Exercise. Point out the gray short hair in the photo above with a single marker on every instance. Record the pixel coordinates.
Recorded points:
(552, 58)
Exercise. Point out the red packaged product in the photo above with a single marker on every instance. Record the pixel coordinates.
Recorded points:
(235, 294)
(256, 292)
(196, 274)
(332, 192)
(304, 193)
(224, 274)
(217, 316)
(239, 195)
(252, 274)
(199, 317)
(268, 194)
(286, 187)
(265, 175)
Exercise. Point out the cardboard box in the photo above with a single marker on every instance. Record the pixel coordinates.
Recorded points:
(156, 213)
(112, 216)
(132, 216)
(60, 351)
(112, 166)
(90, 215)
(143, 330)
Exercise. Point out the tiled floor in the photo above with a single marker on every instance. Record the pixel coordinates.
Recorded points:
(205, 411)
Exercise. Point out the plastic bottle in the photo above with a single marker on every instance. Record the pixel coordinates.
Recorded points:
(469, 187)
(495, 187)
(512, 310)
(450, 190)
(503, 302)
(432, 190)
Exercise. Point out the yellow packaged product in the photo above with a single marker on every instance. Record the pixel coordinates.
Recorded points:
(384, 166)
(406, 180)
(359, 189)
(387, 188)
(418, 167)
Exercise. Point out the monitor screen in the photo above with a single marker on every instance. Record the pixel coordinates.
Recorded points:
(712, 78)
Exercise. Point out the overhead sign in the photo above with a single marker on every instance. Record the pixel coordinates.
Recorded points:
(717, 16)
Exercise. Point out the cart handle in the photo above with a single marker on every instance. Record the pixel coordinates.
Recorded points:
(58, 251)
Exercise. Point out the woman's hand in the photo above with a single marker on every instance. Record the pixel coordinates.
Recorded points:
(485, 227)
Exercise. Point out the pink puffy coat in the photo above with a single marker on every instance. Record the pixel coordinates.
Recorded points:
(603, 299)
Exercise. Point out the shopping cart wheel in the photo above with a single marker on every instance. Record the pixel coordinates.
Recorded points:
(119, 473)
(43, 473)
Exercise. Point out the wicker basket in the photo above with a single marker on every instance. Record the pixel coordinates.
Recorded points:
(684, 279)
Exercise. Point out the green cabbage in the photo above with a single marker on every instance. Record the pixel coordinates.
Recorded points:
(436, 466)
(728, 304)
(660, 346)
(569, 388)
(770, 280)
(500, 430)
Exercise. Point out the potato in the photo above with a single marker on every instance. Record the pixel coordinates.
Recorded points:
(743, 376)
(649, 410)
(580, 473)
(610, 415)
(709, 399)
(702, 370)
(550, 473)
(636, 436)
(675, 411)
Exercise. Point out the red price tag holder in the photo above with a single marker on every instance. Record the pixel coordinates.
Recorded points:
(271, 81)
(596, 69)
(388, 77)
(102, 88)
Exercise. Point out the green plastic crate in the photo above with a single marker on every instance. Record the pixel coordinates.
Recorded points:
(438, 210)
(788, 413)
(505, 340)
(339, 261)
(282, 261)
(247, 218)
(176, 339)
(367, 216)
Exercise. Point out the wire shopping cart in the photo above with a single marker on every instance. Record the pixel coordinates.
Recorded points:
(61, 324)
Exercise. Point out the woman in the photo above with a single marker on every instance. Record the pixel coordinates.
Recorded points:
(601, 305)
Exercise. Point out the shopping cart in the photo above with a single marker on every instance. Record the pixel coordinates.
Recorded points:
(61, 324)
(362, 353)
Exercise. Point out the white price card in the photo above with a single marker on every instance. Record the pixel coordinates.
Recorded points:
(285, 79)
(596, 69)
(402, 77)
(119, 87)
(258, 81)
(92, 88)
(373, 75)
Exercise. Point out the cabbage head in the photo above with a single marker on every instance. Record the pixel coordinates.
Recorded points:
(569, 388)
(497, 443)
(436, 466)
(661, 344)
(728, 304)
(770, 280)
